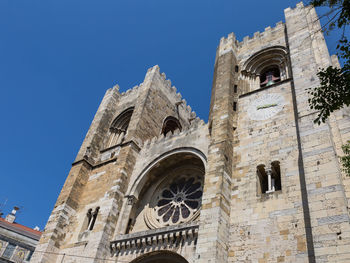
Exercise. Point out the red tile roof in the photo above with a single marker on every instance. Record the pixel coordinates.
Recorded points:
(20, 228)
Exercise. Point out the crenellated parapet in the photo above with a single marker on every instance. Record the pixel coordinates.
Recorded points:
(171, 92)
(260, 35)
(160, 82)
(229, 43)
(133, 90)
(298, 6)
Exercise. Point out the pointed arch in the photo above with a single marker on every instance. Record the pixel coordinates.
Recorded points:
(171, 124)
(119, 127)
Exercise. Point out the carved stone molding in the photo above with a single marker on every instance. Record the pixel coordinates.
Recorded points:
(171, 235)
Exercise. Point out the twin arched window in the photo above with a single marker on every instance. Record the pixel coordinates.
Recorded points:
(119, 127)
(171, 124)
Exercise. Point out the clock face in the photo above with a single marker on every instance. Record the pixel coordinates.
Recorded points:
(266, 106)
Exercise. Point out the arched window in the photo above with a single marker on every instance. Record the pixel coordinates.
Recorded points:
(170, 193)
(171, 124)
(90, 219)
(265, 68)
(119, 127)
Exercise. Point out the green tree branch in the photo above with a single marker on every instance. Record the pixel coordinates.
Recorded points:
(333, 93)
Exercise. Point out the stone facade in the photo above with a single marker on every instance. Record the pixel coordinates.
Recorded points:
(260, 182)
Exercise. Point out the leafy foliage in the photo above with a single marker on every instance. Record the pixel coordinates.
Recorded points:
(333, 92)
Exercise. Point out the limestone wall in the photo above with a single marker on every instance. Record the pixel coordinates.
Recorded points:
(325, 196)
(270, 224)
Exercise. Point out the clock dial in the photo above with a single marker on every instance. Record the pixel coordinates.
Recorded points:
(266, 106)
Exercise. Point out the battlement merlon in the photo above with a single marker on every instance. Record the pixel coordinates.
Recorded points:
(157, 80)
(258, 35)
(299, 6)
(160, 81)
(227, 44)
(103, 114)
(304, 25)
(230, 42)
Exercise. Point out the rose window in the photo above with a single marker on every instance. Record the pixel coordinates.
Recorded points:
(179, 200)
(176, 201)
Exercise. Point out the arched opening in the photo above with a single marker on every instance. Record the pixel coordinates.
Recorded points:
(170, 193)
(119, 127)
(269, 178)
(262, 180)
(276, 175)
(270, 76)
(171, 124)
(264, 68)
(160, 257)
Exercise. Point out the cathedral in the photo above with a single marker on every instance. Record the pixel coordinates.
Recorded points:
(260, 182)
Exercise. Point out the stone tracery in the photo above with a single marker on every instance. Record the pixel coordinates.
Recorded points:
(177, 199)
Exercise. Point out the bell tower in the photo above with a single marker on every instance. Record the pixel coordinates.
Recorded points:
(85, 215)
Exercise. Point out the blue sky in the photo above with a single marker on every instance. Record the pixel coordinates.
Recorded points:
(57, 59)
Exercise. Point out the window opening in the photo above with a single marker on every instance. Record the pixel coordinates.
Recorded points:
(29, 256)
(171, 124)
(91, 216)
(235, 88)
(236, 68)
(269, 178)
(235, 106)
(276, 176)
(270, 76)
(119, 127)
(9, 250)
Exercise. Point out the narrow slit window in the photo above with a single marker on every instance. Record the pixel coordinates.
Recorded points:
(235, 88)
(236, 68)
(235, 106)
